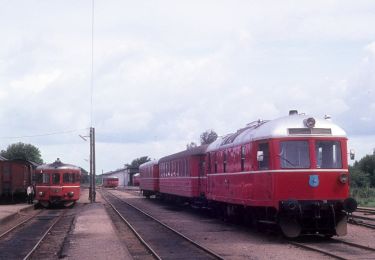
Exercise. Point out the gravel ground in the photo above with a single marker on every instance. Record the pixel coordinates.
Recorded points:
(230, 241)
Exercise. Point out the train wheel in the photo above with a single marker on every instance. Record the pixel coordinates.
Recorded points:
(290, 227)
(45, 204)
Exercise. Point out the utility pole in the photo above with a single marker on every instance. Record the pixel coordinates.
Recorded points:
(93, 166)
(92, 192)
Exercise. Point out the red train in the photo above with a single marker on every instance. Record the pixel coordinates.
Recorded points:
(110, 182)
(149, 178)
(291, 172)
(15, 176)
(136, 179)
(57, 183)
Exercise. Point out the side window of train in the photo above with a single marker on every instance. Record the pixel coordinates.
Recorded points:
(243, 154)
(215, 163)
(225, 161)
(263, 161)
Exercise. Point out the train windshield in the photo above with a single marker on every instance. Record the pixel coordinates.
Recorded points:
(56, 178)
(294, 154)
(42, 178)
(328, 154)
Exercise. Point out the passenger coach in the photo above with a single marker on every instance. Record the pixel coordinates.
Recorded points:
(149, 178)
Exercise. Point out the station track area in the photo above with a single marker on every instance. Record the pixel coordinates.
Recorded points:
(22, 240)
(336, 248)
(363, 217)
(162, 241)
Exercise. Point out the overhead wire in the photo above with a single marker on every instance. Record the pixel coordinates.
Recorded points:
(44, 134)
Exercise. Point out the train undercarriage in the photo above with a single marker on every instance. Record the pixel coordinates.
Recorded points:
(294, 218)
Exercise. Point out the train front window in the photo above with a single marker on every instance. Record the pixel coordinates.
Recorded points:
(294, 155)
(328, 154)
(42, 178)
(56, 178)
(68, 177)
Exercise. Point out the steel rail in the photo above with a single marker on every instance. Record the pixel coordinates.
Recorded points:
(315, 249)
(44, 235)
(360, 223)
(131, 227)
(366, 210)
(18, 225)
(205, 249)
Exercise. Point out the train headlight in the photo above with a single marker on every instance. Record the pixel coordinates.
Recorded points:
(309, 122)
(71, 194)
(343, 178)
(41, 193)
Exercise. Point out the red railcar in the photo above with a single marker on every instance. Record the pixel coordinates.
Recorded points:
(15, 176)
(57, 183)
(291, 172)
(110, 182)
(149, 178)
(136, 179)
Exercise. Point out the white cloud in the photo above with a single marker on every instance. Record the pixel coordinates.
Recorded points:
(35, 83)
(166, 71)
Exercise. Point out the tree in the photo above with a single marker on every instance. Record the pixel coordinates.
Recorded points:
(363, 172)
(191, 145)
(22, 151)
(138, 161)
(209, 136)
(367, 165)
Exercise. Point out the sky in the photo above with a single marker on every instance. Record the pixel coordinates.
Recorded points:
(166, 71)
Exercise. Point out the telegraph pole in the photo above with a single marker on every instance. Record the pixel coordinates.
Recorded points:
(92, 191)
(93, 166)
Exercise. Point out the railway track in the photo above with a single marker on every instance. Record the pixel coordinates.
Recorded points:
(364, 219)
(20, 241)
(336, 248)
(366, 211)
(161, 240)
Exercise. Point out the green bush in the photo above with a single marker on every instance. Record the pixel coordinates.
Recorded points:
(365, 196)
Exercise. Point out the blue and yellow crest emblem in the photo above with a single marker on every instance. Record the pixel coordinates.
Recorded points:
(314, 181)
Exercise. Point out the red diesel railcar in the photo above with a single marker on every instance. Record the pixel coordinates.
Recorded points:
(57, 183)
(291, 172)
(110, 182)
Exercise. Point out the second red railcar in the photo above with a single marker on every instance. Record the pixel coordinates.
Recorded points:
(110, 182)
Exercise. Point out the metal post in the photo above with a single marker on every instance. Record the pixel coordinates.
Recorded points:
(93, 166)
(91, 169)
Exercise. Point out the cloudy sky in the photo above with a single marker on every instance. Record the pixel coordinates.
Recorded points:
(166, 71)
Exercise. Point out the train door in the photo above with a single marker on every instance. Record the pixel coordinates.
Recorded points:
(263, 177)
(202, 180)
(7, 179)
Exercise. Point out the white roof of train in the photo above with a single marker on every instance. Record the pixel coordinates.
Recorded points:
(289, 126)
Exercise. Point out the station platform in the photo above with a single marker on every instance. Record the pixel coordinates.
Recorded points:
(94, 236)
(7, 212)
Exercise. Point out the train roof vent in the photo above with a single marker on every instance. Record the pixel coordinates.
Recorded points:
(293, 112)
